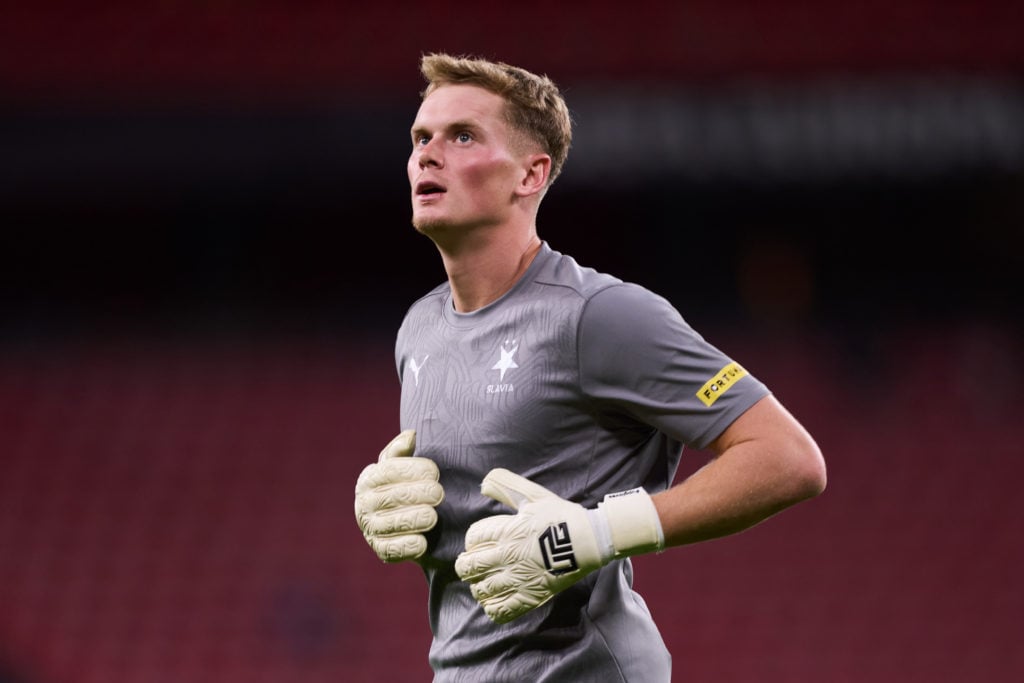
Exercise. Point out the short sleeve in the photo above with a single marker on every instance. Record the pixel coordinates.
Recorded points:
(638, 356)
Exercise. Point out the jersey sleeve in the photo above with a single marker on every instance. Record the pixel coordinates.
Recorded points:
(639, 356)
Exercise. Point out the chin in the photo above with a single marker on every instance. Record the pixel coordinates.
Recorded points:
(430, 226)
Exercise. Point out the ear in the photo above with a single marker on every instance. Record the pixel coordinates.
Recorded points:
(536, 169)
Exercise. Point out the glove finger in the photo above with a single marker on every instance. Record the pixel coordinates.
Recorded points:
(503, 582)
(511, 489)
(492, 545)
(474, 565)
(401, 446)
(416, 519)
(393, 497)
(505, 608)
(495, 530)
(398, 548)
(377, 475)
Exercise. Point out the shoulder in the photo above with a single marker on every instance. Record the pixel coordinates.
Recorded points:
(629, 299)
(561, 270)
(429, 301)
(424, 310)
(629, 311)
(610, 309)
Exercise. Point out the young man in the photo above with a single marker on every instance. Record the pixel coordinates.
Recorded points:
(545, 407)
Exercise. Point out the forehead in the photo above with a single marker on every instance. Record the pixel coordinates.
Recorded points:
(462, 103)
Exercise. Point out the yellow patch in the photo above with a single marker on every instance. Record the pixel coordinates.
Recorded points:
(720, 383)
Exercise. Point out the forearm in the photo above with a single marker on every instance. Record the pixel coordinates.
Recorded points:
(738, 489)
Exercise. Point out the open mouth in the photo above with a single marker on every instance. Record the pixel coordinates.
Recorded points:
(429, 188)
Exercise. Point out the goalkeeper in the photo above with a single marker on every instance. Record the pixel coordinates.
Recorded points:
(544, 410)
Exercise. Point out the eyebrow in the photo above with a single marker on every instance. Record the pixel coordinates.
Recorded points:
(452, 126)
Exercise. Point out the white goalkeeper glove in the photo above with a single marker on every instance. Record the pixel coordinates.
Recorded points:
(395, 500)
(515, 563)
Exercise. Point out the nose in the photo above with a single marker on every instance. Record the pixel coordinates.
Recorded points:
(430, 154)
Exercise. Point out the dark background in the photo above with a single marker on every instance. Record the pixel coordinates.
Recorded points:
(205, 251)
(229, 160)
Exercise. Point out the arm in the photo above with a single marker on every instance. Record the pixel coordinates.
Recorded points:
(765, 461)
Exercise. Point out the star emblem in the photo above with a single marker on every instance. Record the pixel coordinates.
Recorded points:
(506, 362)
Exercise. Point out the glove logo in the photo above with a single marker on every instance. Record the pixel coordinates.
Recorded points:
(556, 549)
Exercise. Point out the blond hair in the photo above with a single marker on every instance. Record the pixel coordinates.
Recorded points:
(534, 105)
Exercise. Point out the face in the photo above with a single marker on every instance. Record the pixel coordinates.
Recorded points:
(463, 169)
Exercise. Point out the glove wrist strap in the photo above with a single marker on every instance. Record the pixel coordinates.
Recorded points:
(632, 522)
(602, 534)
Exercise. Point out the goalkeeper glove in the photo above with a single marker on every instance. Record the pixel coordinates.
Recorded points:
(395, 500)
(515, 563)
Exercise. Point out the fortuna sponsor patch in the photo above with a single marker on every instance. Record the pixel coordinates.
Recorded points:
(720, 383)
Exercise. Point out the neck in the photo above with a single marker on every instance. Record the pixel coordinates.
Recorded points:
(482, 273)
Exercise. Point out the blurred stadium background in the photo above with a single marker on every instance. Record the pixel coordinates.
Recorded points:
(206, 252)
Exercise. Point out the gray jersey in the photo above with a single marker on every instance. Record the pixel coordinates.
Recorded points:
(586, 385)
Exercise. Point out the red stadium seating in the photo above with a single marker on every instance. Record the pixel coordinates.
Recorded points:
(183, 512)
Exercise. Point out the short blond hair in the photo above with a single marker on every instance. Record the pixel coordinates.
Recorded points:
(534, 104)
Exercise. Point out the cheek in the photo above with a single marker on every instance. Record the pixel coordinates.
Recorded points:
(490, 174)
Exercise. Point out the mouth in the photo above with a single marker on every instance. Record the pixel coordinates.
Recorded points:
(428, 188)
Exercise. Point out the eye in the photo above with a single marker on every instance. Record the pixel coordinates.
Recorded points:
(464, 137)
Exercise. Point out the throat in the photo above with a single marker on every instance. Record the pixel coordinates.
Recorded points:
(486, 280)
